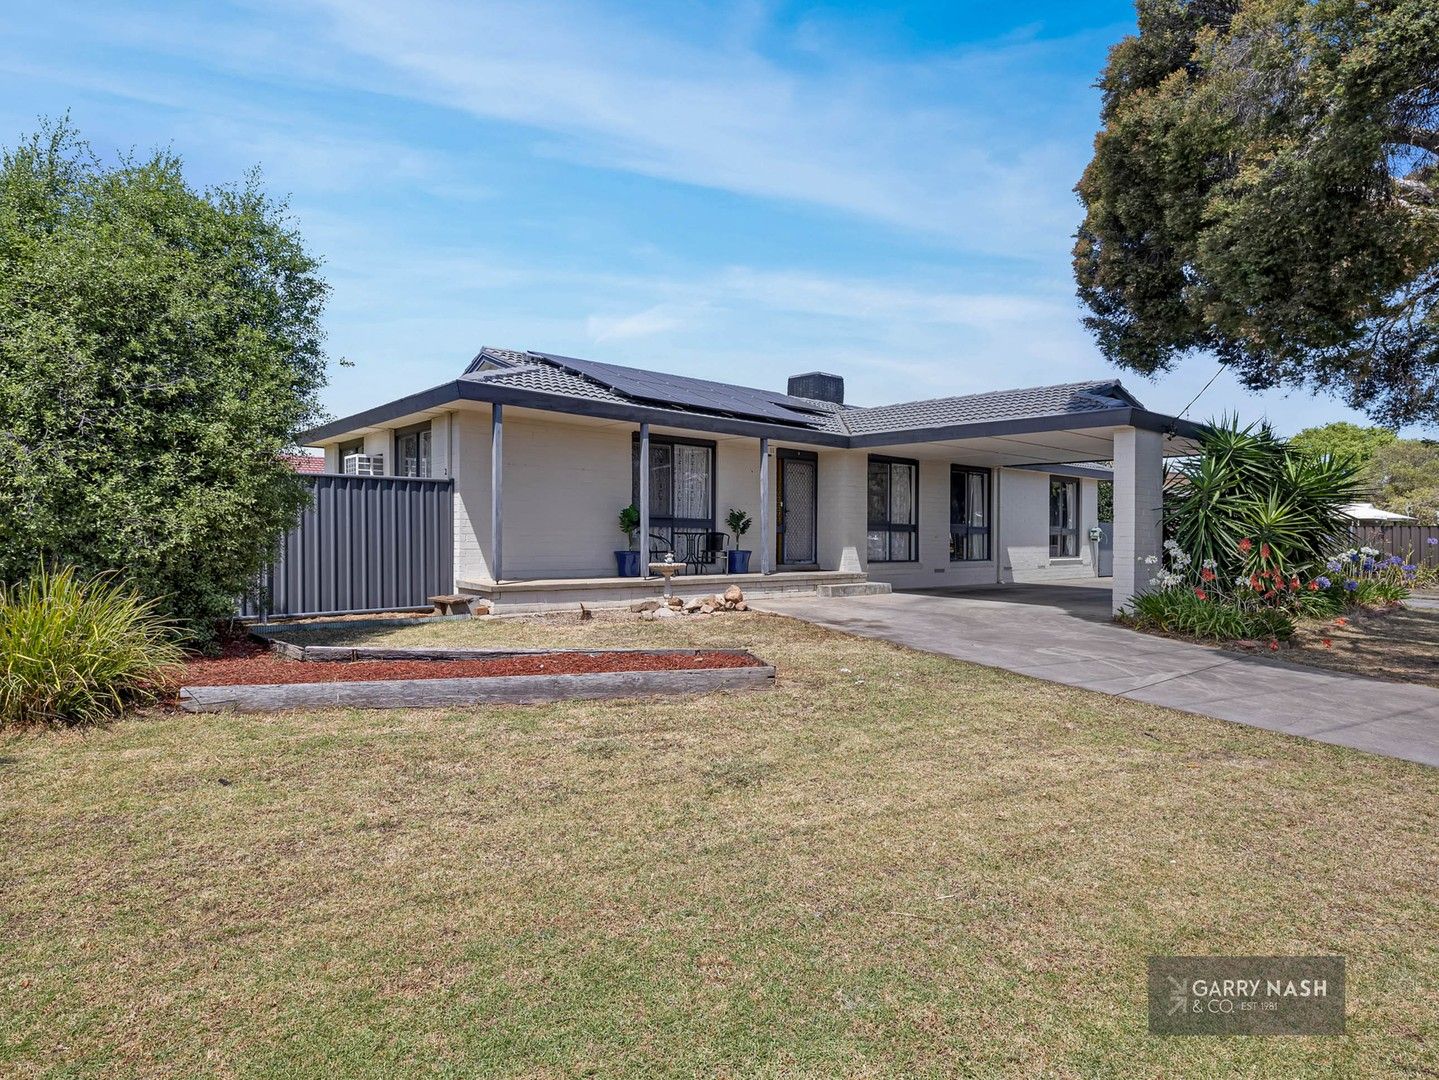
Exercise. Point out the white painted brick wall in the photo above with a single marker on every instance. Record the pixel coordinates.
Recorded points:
(1138, 500)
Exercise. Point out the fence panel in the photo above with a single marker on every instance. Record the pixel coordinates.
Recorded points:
(1417, 542)
(364, 544)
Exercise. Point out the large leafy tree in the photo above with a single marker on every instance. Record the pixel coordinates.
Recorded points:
(1401, 475)
(1344, 440)
(1266, 187)
(160, 347)
(1404, 478)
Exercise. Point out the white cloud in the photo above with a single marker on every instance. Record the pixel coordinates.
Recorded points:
(659, 319)
(930, 146)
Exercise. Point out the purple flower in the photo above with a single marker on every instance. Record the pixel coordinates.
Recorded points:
(1323, 582)
(1351, 585)
(1334, 566)
(1409, 569)
(1368, 565)
(1354, 557)
(1433, 540)
(1393, 560)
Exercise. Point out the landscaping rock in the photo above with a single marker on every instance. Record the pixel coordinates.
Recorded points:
(741, 606)
(645, 605)
(664, 613)
(733, 595)
(693, 604)
(707, 609)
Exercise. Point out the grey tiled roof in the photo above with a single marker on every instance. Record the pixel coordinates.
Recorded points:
(991, 405)
(546, 379)
(569, 377)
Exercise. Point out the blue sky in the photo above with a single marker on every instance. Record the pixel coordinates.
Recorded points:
(740, 192)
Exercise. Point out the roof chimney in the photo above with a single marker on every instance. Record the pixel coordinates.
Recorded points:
(818, 385)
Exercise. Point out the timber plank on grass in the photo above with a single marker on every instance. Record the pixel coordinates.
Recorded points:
(346, 652)
(497, 690)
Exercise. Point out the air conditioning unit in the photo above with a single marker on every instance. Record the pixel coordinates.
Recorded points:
(363, 465)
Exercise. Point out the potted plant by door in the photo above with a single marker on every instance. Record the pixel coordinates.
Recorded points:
(627, 563)
(738, 522)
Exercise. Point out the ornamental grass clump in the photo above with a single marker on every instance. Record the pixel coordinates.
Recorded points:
(77, 651)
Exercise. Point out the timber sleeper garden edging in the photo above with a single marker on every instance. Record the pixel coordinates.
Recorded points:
(632, 673)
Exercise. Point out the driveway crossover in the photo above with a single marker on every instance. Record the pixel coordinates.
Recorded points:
(1063, 634)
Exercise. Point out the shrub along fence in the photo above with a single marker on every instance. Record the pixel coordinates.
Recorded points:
(365, 544)
(1418, 543)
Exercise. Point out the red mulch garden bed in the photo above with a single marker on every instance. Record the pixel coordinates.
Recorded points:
(261, 668)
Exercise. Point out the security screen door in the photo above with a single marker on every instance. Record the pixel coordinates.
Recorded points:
(798, 484)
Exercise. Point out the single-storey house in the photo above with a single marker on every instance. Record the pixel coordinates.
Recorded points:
(545, 451)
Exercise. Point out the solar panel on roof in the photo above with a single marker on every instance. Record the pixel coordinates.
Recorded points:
(695, 393)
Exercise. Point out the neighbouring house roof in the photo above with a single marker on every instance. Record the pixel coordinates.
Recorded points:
(304, 463)
(568, 384)
(1369, 512)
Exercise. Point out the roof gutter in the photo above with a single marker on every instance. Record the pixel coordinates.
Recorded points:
(438, 397)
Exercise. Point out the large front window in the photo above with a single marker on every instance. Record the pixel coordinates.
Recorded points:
(682, 494)
(893, 510)
(1063, 517)
(968, 514)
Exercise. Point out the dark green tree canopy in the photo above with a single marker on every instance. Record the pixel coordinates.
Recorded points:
(159, 348)
(1265, 187)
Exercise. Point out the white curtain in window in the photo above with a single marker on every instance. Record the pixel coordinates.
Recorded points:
(692, 481)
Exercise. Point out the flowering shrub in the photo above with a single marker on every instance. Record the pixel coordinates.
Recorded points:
(1366, 576)
(1268, 594)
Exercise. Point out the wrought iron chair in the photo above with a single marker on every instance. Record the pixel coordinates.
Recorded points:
(699, 550)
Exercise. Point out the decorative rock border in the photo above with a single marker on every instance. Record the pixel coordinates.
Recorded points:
(485, 690)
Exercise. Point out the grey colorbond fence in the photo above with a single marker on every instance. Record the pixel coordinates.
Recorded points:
(365, 544)
(1404, 540)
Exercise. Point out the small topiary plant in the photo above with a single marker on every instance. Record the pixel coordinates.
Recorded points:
(79, 651)
(739, 523)
(630, 523)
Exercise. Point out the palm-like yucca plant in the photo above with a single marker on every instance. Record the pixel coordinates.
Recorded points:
(79, 651)
(1247, 484)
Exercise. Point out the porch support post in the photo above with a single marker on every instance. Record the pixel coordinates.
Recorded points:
(497, 488)
(645, 500)
(1138, 497)
(764, 537)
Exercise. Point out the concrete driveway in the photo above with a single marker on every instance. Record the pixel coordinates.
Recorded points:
(1063, 633)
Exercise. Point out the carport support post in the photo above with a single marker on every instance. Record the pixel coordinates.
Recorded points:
(1138, 498)
(497, 485)
(764, 537)
(645, 501)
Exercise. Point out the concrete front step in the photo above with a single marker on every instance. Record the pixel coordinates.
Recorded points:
(857, 588)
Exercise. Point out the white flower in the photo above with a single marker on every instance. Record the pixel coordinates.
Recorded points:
(1241, 581)
(1209, 564)
(1150, 560)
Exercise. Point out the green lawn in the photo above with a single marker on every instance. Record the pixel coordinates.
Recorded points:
(894, 864)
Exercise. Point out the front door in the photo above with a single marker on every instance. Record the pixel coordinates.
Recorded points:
(798, 487)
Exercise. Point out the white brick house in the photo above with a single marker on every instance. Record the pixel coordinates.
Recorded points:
(544, 451)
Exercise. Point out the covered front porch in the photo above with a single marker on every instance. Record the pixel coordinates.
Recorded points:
(538, 497)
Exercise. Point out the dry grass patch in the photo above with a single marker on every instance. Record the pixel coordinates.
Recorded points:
(895, 864)
(1400, 644)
